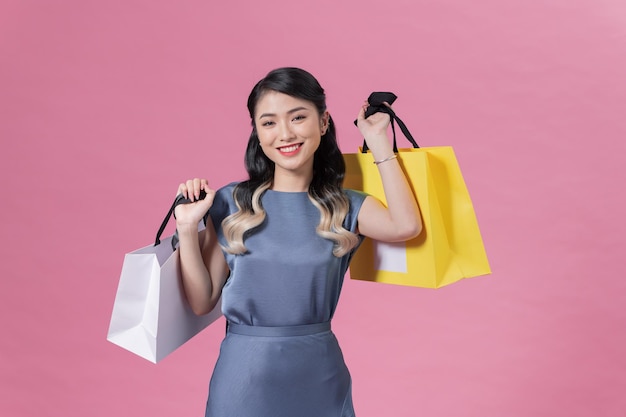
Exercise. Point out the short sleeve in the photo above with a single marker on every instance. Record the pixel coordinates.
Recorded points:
(356, 201)
(223, 206)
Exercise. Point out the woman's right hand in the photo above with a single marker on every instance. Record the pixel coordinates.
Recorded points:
(192, 213)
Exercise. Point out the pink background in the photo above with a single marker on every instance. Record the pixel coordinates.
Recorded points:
(106, 105)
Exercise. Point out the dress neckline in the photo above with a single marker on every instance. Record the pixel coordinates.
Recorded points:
(288, 192)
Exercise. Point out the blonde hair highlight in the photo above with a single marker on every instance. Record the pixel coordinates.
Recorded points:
(331, 224)
(237, 224)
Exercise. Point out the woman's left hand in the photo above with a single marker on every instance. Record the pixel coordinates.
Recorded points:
(374, 130)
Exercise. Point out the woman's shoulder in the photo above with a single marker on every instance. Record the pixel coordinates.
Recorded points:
(355, 195)
(226, 191)
(225, 194)
(356, 199)
(224, 202)
(228, 187)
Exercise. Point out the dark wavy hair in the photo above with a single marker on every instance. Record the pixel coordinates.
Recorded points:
(325, 190)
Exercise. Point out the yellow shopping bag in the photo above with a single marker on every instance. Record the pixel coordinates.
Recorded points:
(450, 246)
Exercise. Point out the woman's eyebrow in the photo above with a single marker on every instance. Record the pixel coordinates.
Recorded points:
(289, 112)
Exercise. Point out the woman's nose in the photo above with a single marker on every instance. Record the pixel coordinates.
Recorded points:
(285, 132)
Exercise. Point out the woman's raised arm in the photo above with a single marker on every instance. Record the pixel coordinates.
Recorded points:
(401, 219)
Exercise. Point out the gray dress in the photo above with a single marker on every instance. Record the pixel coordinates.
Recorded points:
(279, 357)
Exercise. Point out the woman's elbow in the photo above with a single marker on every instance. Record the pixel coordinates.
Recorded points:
(202, 305)
(410, 231)
(201, 310)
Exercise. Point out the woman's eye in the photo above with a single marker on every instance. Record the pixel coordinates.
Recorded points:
(268, 123)
(299, 117)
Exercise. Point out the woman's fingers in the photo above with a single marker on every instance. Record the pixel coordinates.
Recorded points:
(193, 188)
(182, 189)
(193, 213)
(374, 119)
(190, 189)
(361, 115)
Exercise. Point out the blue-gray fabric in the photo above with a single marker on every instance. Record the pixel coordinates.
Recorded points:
(288, 277)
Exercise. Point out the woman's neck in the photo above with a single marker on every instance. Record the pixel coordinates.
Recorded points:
(291, 183)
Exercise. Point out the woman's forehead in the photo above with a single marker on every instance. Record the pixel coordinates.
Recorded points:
(274, 102)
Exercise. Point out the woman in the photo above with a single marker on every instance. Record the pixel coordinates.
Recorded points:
(276, 248)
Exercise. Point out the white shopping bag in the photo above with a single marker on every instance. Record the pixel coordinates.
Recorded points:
(151, 316)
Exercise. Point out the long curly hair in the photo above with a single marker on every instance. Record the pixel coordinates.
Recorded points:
(325, 191)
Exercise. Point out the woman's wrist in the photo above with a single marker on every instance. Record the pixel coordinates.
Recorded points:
(381, 153)
(389, 158)
(184, 228)
(380, 146)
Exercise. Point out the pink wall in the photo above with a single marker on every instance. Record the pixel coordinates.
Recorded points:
(106, 105)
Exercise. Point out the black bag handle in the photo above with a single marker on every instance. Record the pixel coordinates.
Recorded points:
(177, 201)
(376, 102)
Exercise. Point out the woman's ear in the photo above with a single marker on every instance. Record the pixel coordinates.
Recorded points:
(325, 122)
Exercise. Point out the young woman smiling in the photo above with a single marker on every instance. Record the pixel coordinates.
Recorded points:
(276, 249)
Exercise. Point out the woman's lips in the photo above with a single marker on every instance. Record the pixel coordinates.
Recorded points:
(290, 150)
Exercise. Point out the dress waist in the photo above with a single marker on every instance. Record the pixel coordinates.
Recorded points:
(301, 330)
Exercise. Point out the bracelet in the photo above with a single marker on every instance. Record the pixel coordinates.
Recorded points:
(394, 156)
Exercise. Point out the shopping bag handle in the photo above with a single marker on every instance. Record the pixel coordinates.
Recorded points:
(377, 102)
(177, 201)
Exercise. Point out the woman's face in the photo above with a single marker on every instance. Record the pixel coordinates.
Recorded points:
(289, 131)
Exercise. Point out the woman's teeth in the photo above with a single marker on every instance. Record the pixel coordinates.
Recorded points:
(288, 149)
